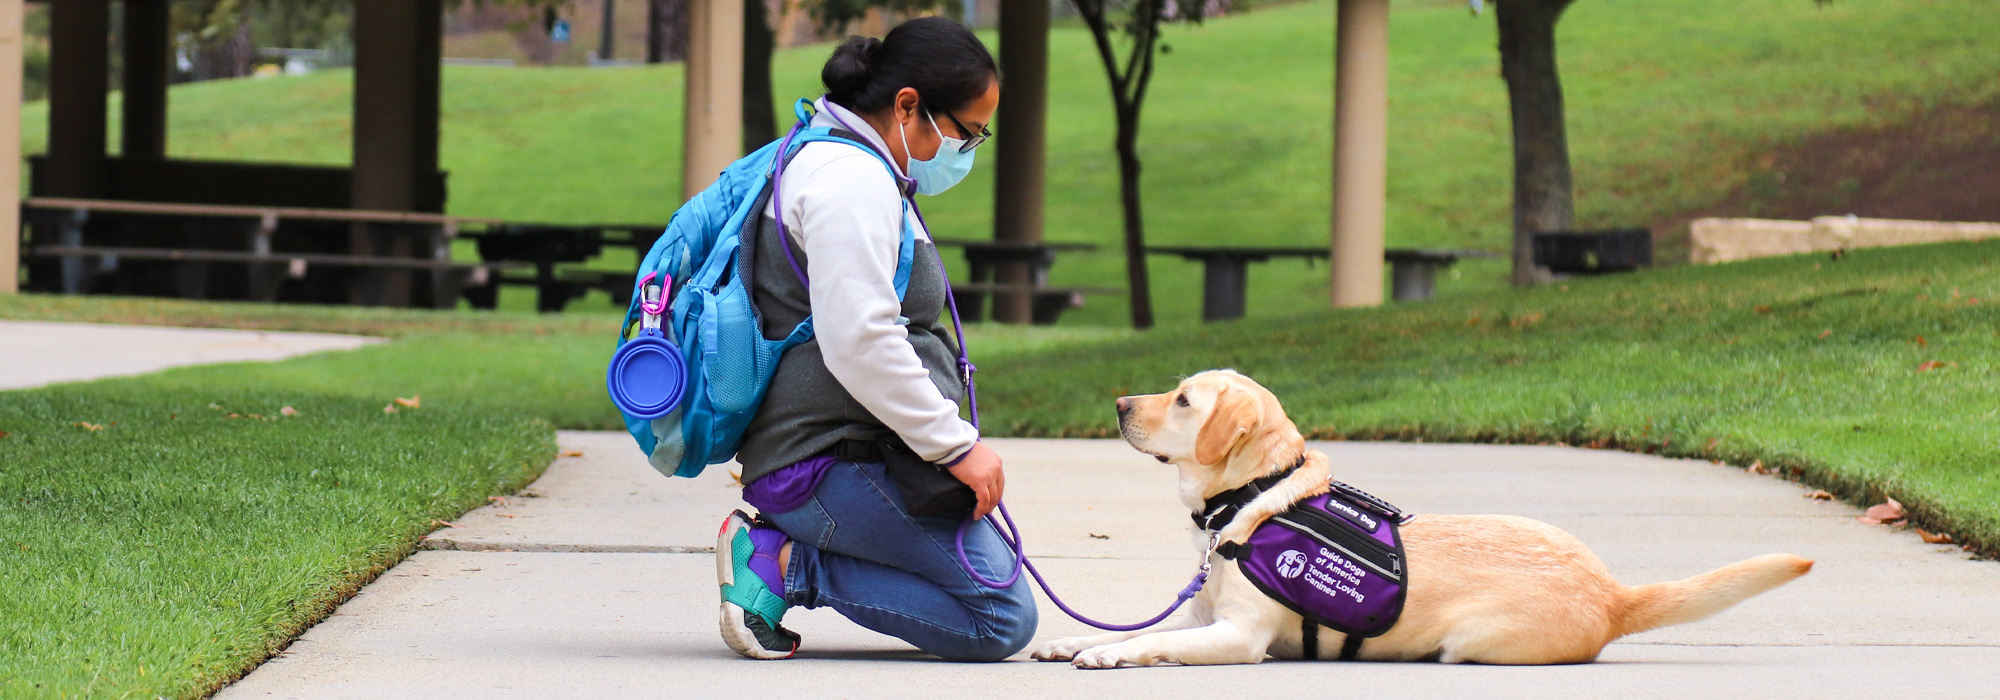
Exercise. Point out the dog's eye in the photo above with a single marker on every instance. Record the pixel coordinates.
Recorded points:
(1181, 400)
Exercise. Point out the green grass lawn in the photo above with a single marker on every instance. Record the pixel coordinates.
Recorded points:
(175, 547)
(1670, 107)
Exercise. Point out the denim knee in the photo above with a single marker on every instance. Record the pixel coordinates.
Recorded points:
(1007, 630)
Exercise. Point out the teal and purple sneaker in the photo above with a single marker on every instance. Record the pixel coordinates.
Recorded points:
(753, 601)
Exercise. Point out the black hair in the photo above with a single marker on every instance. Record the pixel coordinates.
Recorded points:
(939, 57)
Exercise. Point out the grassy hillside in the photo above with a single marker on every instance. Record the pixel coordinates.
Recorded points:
(1670, 106)
(1871, 375)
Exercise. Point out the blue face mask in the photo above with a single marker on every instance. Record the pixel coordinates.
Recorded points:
(943, 170)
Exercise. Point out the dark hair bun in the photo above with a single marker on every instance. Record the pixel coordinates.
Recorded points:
(941, 58)
(851, 67)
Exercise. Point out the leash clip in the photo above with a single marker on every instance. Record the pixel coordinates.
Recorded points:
(1208, 557)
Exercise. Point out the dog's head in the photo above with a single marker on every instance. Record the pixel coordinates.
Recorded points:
(1221, 428)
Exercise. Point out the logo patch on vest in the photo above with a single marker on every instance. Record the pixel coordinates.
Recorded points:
(1291, 563)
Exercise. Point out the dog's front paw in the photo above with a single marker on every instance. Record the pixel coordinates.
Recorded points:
(1061, 649)
(1111, 656)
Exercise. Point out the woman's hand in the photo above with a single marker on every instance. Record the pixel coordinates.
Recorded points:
(981, 470)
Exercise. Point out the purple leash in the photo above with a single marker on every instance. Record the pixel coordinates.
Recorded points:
(966, 369)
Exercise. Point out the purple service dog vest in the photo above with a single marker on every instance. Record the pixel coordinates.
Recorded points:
(1336, 559)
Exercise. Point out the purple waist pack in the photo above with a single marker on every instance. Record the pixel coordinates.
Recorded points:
(1330, 559)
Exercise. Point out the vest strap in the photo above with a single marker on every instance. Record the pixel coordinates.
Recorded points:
(1310, 637)
(1352, 647)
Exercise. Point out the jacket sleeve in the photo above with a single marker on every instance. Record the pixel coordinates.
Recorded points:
(845, 212)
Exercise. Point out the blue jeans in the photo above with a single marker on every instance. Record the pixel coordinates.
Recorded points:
(855, 548)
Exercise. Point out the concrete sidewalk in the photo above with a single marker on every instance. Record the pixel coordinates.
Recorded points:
(599, 584)
(37, 353)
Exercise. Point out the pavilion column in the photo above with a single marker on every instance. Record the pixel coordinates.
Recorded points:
(79, 66)
(1021, 153)
(1360, 151)
(713, 124)
(10, 145)
(397, 50)
(148, 51)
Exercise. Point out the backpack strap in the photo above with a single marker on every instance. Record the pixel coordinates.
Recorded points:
(801, 135)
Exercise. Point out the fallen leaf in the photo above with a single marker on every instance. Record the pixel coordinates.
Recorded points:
(1820, 495)
(258, 416)
(571, 453)
(235, 415)
(502, 500)
(1935, 537)
(92, 427)
(504, 515)
(1712, 442)
(1763, 309)
(1884, 513)
(215, 407)
(1757, 467)
(288, 411)
(1929, 365)
(444, 523)
(1921, 342)
(4, 434)
(1096, 536)
(412, 402)
(391, 408)
(1474, 321)
(1823, 334)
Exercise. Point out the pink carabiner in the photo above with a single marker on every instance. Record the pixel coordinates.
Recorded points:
(658, 307)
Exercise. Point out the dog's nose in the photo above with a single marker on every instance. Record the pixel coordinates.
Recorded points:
(1124, 404)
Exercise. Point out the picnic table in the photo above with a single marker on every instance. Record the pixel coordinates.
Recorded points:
(79, 244)
(984, 258)
(546, 245)
(1226, 272)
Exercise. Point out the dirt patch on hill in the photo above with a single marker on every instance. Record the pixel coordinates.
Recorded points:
(1941, 165)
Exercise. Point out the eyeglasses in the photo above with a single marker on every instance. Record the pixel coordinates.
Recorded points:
(974, 139)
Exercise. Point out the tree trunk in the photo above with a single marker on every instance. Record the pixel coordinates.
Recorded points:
(226, 57)
(1135, 227)
(1544, 200)
(760, 122)
(666, 30)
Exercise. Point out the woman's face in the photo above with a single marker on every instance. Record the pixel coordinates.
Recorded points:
(924, 140)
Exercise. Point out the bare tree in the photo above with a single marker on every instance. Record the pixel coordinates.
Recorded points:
(1130, 74)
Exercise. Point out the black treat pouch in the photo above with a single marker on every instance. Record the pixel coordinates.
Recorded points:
(928, 490)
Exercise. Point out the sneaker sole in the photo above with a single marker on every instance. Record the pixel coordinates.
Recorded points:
(739, 637)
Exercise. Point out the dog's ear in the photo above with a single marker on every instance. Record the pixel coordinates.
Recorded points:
(1232, 419)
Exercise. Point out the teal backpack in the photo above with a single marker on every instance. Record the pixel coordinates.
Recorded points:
(705, 254)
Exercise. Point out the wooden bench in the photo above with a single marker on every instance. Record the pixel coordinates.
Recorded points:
(1046, 304)
(267, 269)
(1226, 272)
(983, 258)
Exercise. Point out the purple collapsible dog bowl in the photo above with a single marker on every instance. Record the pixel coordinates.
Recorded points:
(648, 375)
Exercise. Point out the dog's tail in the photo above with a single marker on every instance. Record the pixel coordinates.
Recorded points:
(1659, 605)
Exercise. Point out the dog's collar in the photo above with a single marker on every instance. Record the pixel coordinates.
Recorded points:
(1219, 510)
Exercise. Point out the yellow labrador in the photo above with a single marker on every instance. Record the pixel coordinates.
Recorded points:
(1489, 589)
